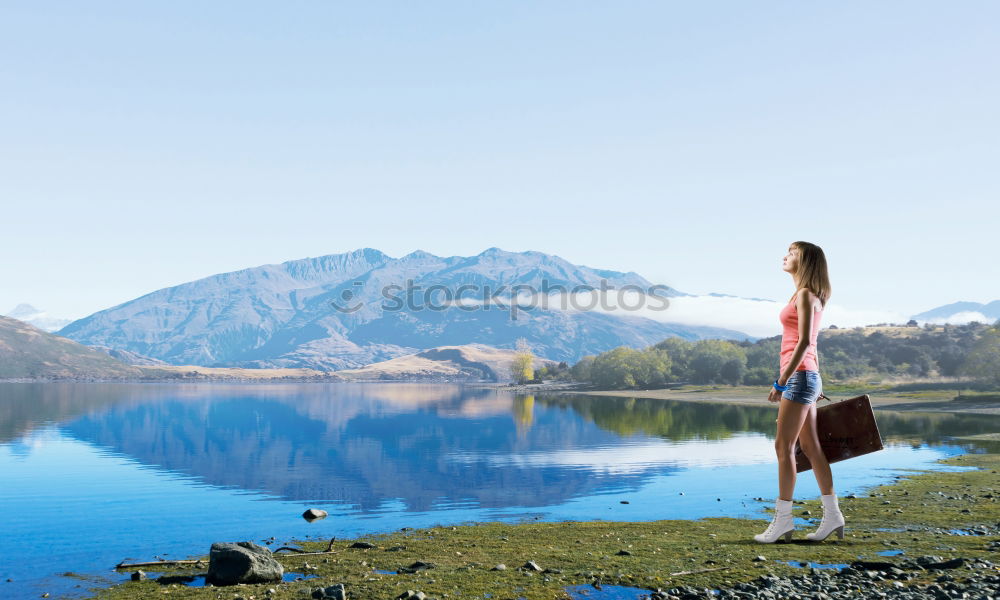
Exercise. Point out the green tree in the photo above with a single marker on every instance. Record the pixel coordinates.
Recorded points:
(983, 360)
(625, 367)
(763, 358)
(611, 369)
(679, 351)
(581, 371)
(717, 361)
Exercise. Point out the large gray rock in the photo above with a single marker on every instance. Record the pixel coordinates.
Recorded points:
(242, 562)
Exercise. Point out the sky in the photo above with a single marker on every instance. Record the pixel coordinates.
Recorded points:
(145, 145)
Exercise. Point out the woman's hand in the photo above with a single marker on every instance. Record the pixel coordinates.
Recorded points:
(774, 396)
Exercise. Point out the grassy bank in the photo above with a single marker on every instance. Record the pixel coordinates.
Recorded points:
(903, 516)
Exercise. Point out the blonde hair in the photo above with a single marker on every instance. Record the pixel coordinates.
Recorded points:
(812, 272)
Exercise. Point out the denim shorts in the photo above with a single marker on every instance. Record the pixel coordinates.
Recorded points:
(804, 387)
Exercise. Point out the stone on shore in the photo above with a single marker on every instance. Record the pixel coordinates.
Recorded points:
(333, 592)
(532, 566)
(417, 566)
(242, 562)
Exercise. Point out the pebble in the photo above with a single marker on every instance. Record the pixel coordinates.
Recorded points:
(532, 566)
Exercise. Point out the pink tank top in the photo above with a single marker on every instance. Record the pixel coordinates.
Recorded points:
(790, 337)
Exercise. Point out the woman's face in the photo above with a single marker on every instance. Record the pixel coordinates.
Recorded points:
(791, 261)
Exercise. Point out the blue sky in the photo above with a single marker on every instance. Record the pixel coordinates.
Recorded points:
(149, 144)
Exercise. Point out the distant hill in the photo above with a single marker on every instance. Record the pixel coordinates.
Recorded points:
(28, 352)
(473, 362)
(962, 312)
(282, 315)
(38, 318)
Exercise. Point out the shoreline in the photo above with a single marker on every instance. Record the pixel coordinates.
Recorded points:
(936, 516)
(935, 400)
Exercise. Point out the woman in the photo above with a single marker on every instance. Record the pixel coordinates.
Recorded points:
(797, 388)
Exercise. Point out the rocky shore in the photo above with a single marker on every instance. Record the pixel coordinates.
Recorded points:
(926, 535)
(864, 579)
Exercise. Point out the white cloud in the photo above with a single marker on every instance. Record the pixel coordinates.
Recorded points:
(759, 318)
(961, 318)
(753, 316)
(756, 317)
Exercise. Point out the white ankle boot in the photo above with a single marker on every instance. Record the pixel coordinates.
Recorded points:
(781, 525)
(833, 520)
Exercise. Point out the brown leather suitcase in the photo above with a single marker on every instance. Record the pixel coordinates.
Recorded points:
(846, 429)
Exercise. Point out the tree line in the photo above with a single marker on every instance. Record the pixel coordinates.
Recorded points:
(952, 350)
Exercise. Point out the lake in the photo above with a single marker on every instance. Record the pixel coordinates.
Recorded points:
(92, 474)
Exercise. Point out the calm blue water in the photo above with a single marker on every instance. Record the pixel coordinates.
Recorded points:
(93, 474)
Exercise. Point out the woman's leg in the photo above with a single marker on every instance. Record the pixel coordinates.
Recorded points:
(809, 440)
(791, 417)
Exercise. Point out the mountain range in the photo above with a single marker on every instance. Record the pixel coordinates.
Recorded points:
(283, 315)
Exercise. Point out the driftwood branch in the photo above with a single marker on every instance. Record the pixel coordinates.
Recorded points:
(123, 565)
(298, 552)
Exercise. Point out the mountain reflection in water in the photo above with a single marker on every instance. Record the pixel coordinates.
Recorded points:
(361, 443)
